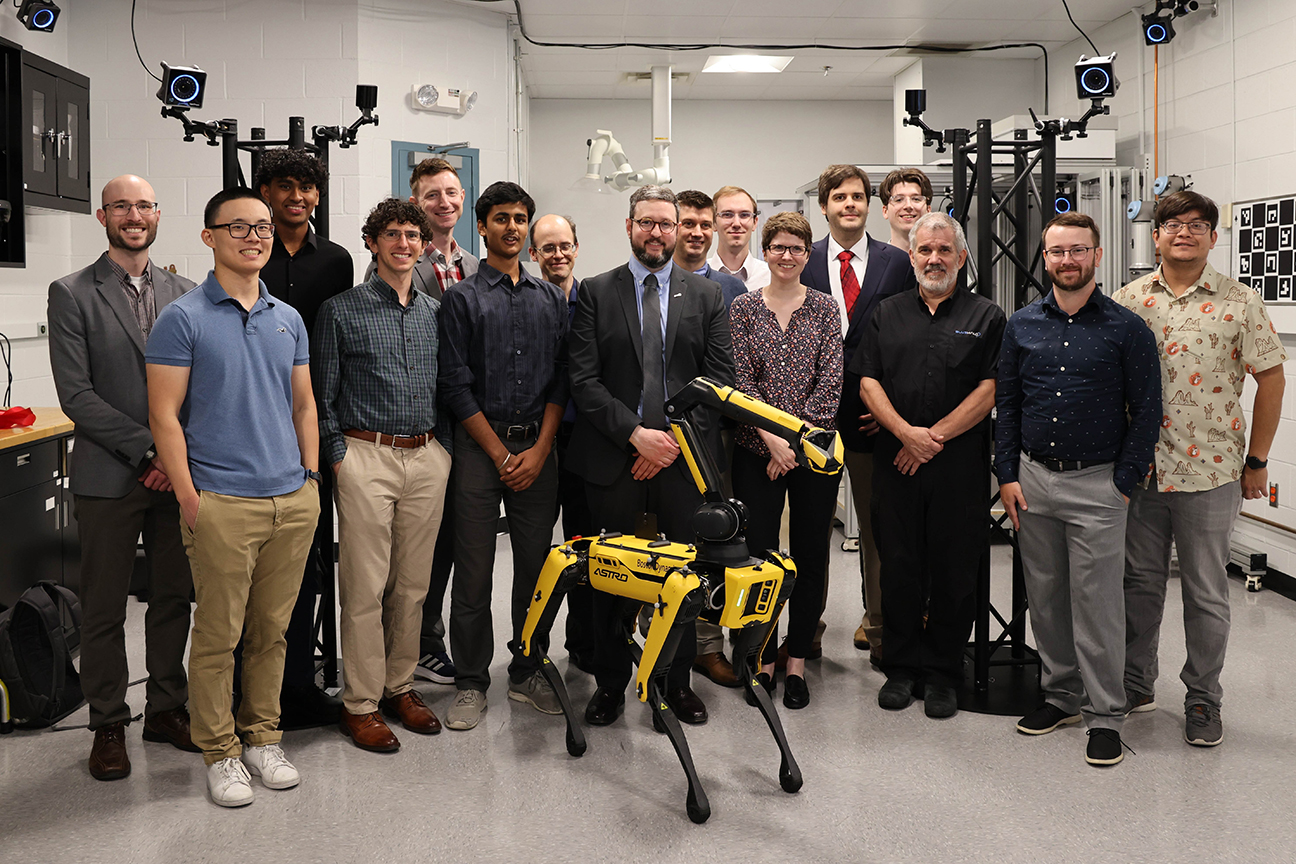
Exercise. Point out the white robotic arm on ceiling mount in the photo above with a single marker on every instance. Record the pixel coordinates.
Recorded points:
(605, 146)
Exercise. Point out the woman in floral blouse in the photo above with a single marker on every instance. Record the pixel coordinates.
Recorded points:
(788, 351)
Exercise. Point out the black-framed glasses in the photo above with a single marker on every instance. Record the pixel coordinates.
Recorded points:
(1079, 254)
(240, 230)
(121, 208)
(647, 225)
(1174, 226)
(777, 249)
(549, 250)
(392, 235)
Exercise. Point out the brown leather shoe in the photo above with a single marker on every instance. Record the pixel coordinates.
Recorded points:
(171, 727)
(108, 759)
(861, 638)
(413, 713)
(368, 732)
(718, 668)
(687, 706)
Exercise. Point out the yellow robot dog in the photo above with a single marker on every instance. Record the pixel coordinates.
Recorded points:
(714, 578)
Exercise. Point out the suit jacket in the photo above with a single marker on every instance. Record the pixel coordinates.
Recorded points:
(425, 276)
(97, 356)
(605, 351)
(888, 272)
(730, 286)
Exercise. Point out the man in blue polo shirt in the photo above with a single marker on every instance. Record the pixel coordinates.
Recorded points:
(233, 419)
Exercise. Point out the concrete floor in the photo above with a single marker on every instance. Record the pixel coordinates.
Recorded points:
(879, 786)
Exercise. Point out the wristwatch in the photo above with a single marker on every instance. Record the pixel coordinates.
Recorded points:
(315, 475)
(1256, 464)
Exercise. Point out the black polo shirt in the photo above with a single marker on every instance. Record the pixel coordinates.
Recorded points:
(928, 364)
(321, 269)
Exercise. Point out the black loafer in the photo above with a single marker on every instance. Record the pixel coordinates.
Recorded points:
(940, 701)
(795, 692)
(687, 706)
(604, 707)
(765, 681)
(896, 693)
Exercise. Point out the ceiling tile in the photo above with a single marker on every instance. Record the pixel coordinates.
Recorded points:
(572, 28)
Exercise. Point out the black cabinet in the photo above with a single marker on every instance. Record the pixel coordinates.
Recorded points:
(33, 509)
(56, 143)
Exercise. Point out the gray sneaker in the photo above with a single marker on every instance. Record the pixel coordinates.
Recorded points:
(1203, 726)
(536, 691)
(1139, 703)
(467, 709)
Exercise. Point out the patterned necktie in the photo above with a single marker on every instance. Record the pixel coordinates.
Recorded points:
(850, 285)
(654, 385)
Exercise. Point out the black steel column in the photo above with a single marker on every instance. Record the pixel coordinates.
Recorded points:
(985, 211)
(258, 134)
(229, 154)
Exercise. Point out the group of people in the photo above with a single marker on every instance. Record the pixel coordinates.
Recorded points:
(217, 419)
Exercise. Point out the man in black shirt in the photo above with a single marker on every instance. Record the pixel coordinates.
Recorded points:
(927, 368)
(503, 374)
(304, 270)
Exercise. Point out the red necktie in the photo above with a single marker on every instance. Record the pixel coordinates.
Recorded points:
(850, 285)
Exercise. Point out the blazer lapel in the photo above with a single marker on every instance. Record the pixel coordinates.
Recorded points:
(872, 283)
(674, 309)
(626, 292)
(111, 291)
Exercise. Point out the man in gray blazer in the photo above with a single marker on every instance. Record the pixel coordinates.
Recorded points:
(99, 322)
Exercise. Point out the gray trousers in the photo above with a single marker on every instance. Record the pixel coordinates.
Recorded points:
(477, 495)
(1072, 544)
(108, 529)
(1200, 524)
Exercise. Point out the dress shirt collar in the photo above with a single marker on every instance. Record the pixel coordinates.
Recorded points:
(860, 249)
(1209, 280)
(1093, 304)
(640, 272)
(432, 253)
(387, 292)
(125, 277)
(494, 277)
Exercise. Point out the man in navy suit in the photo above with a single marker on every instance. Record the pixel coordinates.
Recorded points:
(858, 272)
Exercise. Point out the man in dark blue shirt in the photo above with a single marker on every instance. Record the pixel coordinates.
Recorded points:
(1079, 401)
(503, 374)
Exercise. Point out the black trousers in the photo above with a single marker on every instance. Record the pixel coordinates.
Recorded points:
(576, 522)
(811, 498)
(433, 632)
(931, 531)
(672, 496)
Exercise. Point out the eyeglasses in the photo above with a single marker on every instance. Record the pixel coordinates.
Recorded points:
(916, 200)
(777, 249)
(740, 215)
(647, 225)
(240, 230)
(393, 235)
(1174, 227)
(121, 208)
(1079, 254)
(549, 250)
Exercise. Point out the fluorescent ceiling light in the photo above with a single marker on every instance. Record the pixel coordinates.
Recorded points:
(746, 63)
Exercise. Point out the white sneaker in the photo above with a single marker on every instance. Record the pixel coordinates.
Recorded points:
(229, 783)
(466, 710)
(270, 764)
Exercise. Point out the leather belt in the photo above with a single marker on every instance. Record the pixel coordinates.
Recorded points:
(402, 441)
(1066, 464)
(516, 431)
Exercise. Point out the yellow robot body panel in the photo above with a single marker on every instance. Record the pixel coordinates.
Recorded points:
(559, 559)
(680, 587)
(751, 593)
(634, 567)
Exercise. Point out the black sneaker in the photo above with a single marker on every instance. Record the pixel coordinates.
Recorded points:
(1202, 725)
(896, 693)
(1045, 719)
(1104, 747)
(940, 701)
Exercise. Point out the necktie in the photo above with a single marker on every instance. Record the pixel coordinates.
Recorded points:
(850, 285)
(654, 384)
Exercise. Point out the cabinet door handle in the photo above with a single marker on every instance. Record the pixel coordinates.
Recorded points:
(24, 459)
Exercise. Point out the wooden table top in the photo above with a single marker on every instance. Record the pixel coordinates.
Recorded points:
(50, 423)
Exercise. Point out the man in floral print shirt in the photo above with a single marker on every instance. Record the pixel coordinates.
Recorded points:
(1211, 331)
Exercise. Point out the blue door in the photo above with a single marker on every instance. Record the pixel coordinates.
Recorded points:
(406, 154)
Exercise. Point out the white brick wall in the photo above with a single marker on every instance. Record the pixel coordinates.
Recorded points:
(266, 60)
(1228, 118)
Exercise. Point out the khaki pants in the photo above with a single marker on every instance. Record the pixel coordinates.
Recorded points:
(389, 505)
(247, 556)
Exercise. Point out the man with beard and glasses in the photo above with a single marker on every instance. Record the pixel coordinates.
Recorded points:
(100, 319)
(503, 374)
(1079, 403)
(641, 332)
(927, 372)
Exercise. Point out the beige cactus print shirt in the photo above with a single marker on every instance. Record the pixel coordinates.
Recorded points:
(1208, 340)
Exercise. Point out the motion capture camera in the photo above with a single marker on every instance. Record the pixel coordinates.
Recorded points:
(38, 15)
(1158, 27)
(1096, 77)
(182, 86)
(366, 98)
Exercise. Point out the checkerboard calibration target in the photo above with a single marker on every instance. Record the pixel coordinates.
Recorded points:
(1264, 235)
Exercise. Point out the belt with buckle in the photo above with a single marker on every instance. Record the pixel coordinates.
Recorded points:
(1066, 464)
(516, 431)
(401, 441)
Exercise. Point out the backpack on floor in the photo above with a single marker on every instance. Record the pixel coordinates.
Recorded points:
(36, 656)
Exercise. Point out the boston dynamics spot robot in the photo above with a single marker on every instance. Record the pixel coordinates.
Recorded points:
(714, 578)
